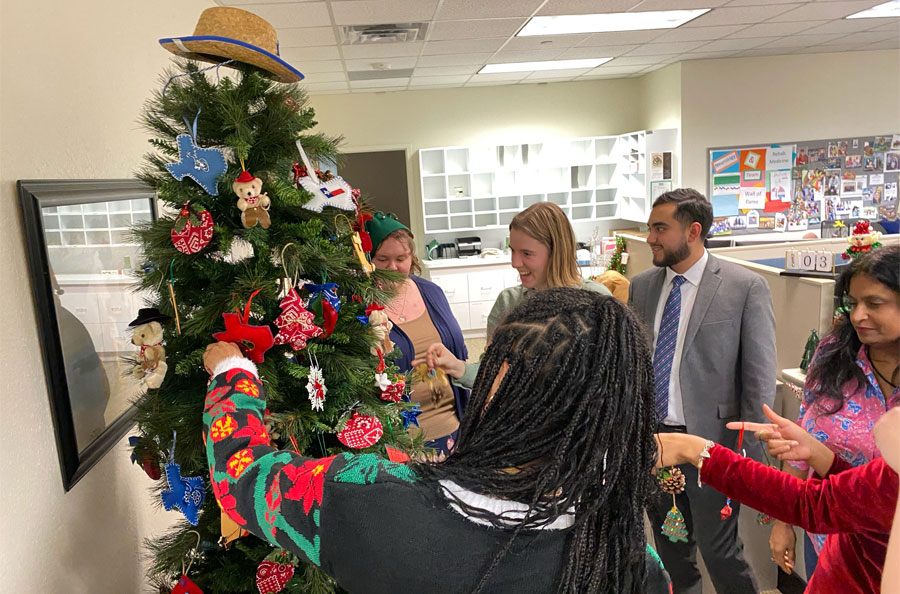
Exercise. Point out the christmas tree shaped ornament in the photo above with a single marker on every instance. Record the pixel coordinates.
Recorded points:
(186, 494)
(315, 385)
(203, 165)
(192, 238)
(295, 323)
(671, 480)
(361, 431)
(809, 350)
(252, 201)
(334, 192)
(253, 340)
(274, 572)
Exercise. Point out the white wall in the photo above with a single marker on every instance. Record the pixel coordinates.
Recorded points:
(659, 94)
(73, 78)
(784, 99)
(453, 117)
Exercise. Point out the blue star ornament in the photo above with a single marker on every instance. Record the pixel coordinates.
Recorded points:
(410, 416)
(328, 292)
(184, 493)
(203, 165)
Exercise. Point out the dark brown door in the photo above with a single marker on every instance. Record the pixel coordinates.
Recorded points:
(381, 177)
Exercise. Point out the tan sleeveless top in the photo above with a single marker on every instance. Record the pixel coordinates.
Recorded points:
(438, 416)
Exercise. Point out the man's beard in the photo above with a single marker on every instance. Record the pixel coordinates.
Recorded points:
(670, 258)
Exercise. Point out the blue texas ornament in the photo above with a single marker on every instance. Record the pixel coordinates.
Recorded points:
(184, 493)
(203, 165)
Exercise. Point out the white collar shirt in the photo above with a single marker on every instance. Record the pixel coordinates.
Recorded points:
(692, 278)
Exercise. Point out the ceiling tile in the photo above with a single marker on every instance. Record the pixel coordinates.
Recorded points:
(382, 50)
(875, 36)
(826, 10)
(446, 70)
(379, 91)
(758, 2)
(607, 51)
(442, 30)
(429, 87)
(706, 55)
(724, 45)
(481, 9)
(380, 82)
(534, 42)
(453, 60)
(802, 40)
(658, 49)
(768, 51)
(550, 74)
(558, 7)
(323, 66)
(325, 77)
(241, 3)
(602, 77)
(698, 33)
(677, 4)
(439, 80)
(375, 12)
(298, 55)
(847, 26)
(457, 46)
(825, 49)
(641, 60)
(326, 86)
(499, 76)
(604, 69)
(889, 25)
(293, 14)
(385, 63)
(776, 29)
(531, 56)
(623, 37)
(737, 15)
(306, 37)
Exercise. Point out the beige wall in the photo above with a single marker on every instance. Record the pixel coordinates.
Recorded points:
(73, 79)
(453, 117)
(659, 96)
(784, 99)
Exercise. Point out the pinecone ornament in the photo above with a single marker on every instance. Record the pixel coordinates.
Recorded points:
(670, 480)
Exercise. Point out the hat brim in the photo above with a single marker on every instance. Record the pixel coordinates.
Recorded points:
(215, 49)
(141, 321)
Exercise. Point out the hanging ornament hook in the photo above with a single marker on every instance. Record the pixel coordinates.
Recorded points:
(284, 266)
(172, 294)
(192, 554)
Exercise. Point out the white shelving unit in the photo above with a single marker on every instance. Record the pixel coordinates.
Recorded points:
(591, 179)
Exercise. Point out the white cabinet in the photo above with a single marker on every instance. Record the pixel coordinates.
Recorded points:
(454, 284)
(461, 313)
(485, 286)
(596, 178)
(479, 312)
(471, 286)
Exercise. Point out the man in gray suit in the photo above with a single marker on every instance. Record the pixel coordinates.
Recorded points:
(713, 335)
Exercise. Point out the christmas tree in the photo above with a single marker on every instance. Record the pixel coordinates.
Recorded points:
(207, 257)
(619, 257)
(673, 527)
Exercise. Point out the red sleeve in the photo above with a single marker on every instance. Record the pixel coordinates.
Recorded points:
(822, 506)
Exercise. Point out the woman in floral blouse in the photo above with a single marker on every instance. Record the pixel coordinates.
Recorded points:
(853, 378)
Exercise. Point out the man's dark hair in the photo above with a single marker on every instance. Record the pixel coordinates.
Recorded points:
(690, 207)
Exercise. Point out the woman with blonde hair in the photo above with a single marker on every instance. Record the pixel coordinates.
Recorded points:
(543, 252)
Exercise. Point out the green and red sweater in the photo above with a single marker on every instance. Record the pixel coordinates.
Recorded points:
(369, 523)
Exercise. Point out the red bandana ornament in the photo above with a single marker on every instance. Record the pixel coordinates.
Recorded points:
(186, 586)
(253, 340)
(272, 577)
(394, 392)
(192, 238)
(295, 323)
(361, 431)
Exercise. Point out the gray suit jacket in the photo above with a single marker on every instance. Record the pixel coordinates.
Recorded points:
(728, 360)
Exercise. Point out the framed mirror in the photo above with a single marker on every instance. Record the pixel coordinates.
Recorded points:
(81, 256)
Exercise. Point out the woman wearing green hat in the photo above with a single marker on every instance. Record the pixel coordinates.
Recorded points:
(421, 316)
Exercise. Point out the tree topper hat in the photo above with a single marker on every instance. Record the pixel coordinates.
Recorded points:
(225, 33)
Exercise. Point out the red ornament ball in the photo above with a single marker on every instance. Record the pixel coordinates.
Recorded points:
(361, 431)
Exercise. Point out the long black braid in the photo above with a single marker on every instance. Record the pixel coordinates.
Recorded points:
(573, 416)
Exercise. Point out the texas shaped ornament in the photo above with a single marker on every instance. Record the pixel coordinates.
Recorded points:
(295, 323)
(253, 340)
(184, 493)
(192, 238)
(203, 165)
(334, 192)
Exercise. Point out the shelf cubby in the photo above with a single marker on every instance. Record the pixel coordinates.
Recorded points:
(432, 161)
(434, 187)
(510, 202)
(459, 185)
(435, 207)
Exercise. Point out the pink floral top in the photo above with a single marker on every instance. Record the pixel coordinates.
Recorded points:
(848, 432)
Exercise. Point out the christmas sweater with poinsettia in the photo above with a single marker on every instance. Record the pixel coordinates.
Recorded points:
(369, 523)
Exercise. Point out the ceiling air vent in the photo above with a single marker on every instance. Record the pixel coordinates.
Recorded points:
(389, 33)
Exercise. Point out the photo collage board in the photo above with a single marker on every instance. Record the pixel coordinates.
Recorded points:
(796, 186)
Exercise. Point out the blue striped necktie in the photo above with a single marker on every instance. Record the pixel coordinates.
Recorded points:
(665, 347)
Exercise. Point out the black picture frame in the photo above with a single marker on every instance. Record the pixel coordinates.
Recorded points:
(34, 195)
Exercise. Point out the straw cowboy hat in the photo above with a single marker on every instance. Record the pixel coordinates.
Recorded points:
(225, 33)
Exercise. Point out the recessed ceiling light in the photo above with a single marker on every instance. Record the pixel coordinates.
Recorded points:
(613, 21)
(543, 65)
(888, 9)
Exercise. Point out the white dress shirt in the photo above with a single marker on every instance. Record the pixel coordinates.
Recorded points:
(688, 294)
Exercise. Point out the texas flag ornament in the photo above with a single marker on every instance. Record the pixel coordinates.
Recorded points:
(335, 192)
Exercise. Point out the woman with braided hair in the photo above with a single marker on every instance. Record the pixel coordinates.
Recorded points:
(539, 492)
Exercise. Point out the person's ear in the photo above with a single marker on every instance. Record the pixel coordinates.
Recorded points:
(694, 231)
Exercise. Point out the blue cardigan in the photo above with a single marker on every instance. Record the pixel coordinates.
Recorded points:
(448, 328)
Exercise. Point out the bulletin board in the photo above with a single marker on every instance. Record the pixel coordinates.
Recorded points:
(795, 186)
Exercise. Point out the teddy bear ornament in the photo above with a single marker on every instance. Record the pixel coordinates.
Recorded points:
(147, 333)
(254, 203)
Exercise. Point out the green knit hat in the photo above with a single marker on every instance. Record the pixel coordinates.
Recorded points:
(382, 225)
